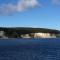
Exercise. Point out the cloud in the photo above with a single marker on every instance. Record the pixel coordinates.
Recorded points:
(21, 5)
(24, 4)
(56, 2)
(7, 9)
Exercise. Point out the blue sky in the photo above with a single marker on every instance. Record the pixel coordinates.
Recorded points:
(45, 16)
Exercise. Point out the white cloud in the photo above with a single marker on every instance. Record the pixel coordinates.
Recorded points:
(19, 7)
(7, 9)
(24, 4)
(56, 2)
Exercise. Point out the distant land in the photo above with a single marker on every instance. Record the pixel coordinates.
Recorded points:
(28, 32)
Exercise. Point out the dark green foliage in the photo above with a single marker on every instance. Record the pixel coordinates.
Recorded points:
(58, 35)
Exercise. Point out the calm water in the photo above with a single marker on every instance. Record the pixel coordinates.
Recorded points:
(29, 49)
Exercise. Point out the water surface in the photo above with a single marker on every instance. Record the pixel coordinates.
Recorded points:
(29, 49)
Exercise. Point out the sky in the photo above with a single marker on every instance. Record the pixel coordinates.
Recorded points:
(30, 13)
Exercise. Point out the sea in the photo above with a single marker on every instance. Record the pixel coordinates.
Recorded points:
(30, 49)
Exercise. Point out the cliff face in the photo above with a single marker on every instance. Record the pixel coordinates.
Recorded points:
(28, 33)
(39, 35)
(2, 34)
(44, 35)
